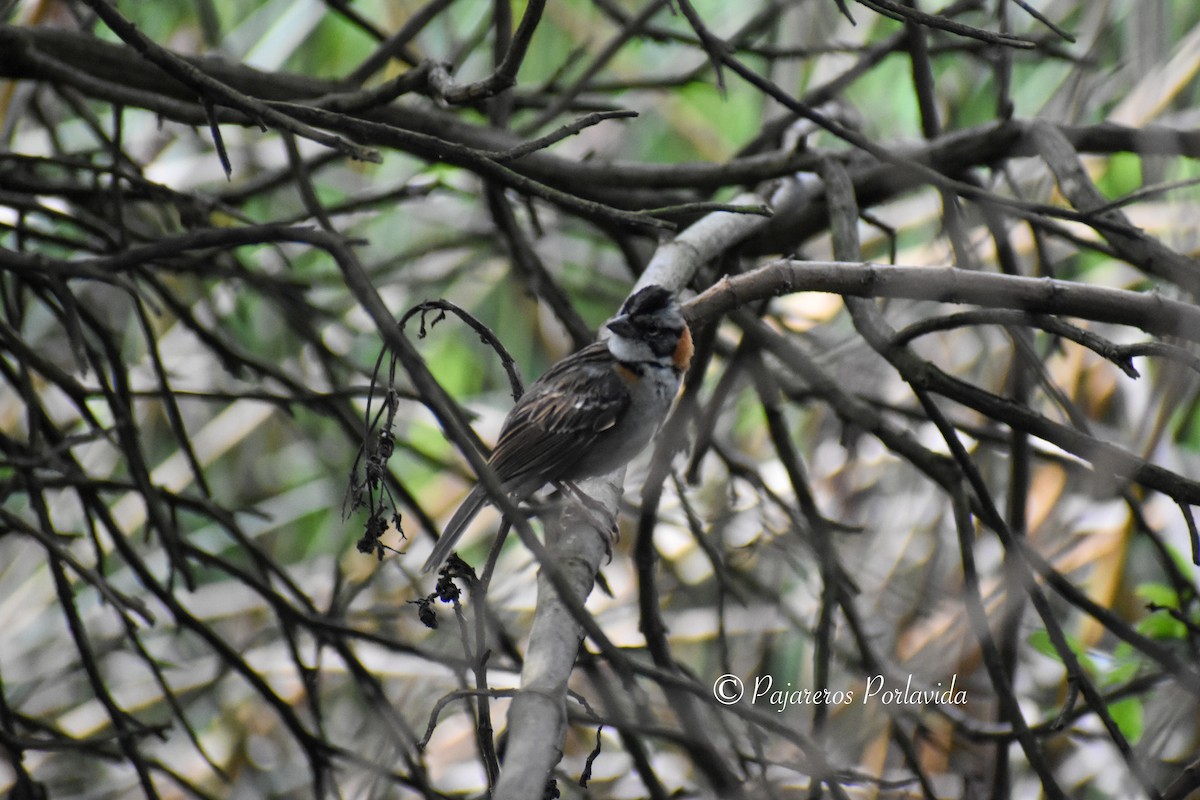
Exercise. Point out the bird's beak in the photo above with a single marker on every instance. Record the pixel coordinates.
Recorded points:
(621, 326)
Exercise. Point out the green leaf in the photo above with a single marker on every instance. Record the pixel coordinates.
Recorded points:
(1040, 641)
(1161, 625)
(1158, 594)
(1126, 662)
(1129, 716)
(1124, 175)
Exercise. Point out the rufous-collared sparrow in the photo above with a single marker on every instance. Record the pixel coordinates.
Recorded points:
(591, 412)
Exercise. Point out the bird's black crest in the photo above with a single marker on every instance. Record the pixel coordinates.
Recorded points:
(647, 301)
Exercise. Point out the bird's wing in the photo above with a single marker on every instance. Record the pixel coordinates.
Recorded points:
(557, 421)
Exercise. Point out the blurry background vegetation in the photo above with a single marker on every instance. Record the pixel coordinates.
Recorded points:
(183, 609)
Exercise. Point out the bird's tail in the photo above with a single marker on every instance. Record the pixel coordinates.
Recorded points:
(454, 529)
